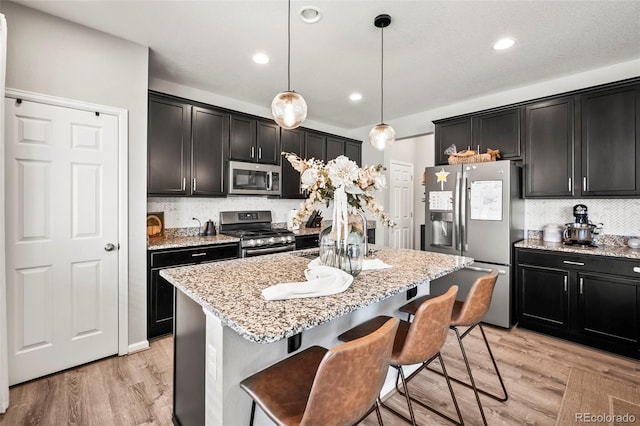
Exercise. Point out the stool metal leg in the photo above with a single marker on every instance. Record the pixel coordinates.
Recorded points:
(253, 412)
(400, 375)
(473, 383)
(380, 422)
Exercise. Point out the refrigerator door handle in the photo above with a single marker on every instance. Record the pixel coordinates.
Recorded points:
(456, 212)
(487, 270)
(463, 213)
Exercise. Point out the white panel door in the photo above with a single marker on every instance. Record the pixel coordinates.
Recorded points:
(61, 183)
(401, 204)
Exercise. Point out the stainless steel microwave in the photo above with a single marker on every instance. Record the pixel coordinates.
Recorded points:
(254, 178)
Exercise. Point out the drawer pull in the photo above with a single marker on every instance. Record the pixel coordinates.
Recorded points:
(570, 262)
(581, 285)
(636, 269)
(565, 284)
(198, 254)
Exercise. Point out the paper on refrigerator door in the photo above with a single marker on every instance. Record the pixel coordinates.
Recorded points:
(440, 200)
(485, 200)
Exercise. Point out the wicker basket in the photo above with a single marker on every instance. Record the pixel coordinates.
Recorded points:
(476, 158)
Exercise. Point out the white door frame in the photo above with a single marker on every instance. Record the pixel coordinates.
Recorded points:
(123, 207)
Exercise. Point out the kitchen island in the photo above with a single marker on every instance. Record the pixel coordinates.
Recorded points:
(225, 330)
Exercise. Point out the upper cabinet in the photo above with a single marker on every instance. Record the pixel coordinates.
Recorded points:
(292, 141)
(254, 140)
(549, 148)
(185, 148)
(451, 132)
(498, 129)
(581, 144)
(315, 146)
(353, 150)
(335, 147)
(609, 123)
(168, 146)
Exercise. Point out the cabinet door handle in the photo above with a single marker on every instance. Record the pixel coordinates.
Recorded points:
(565, 283)
(581, 283)
(184, 183)
(252, 152)
(194, 185)
(570, 262)
(584, 183)
(259, 153)
(198, 254)
(570, 188)
(636, 269)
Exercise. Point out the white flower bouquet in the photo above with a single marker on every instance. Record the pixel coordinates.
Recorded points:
(342, 181)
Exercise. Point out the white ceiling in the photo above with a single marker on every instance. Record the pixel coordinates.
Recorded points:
(436, 52)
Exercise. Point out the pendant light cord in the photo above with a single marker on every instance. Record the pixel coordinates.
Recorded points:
(382, 76)
(289, 48)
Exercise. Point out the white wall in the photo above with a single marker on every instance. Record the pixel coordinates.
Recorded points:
(55, 57)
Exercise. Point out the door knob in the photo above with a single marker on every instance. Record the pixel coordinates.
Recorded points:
(109, 247)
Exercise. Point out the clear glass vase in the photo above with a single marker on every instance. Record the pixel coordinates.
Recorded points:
(338, 254)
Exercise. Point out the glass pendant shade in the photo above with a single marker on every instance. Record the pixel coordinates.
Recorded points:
(289, 109)
(382, 136)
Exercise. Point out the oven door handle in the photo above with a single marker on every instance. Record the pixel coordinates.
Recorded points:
(268, 250)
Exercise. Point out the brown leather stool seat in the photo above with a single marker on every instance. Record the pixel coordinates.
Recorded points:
(317, 386)
(469, 314)
(418, 342)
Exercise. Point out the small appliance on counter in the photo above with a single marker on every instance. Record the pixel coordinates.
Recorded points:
(552, 233)
(208, 229)
(581, 231)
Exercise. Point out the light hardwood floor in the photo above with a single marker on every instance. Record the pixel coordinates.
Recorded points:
(136, 389)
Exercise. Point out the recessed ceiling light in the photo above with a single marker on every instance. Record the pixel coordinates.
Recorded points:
(310, 14)
(504, 43)
(355, 96)
(261, 58)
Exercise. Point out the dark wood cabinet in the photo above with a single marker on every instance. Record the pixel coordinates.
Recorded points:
(608, 308)
(451, 132)
(610, 142)
(254, 140)
(292, 141)
(160, 293)
(186, 149)
(353, 150)
(315, 146)
(335, 148)
(168, 146)
(593, 300)
(543, 296)
(209, 139)
(499, 130)
(307, 241)
(549, 142)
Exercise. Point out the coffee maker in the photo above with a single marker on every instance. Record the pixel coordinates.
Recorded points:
(581, 231)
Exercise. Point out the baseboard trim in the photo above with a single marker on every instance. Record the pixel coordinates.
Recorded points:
(138, 346)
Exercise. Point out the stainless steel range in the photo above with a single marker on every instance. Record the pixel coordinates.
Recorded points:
(253, 227)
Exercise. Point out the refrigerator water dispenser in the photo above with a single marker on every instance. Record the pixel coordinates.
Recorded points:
(442, 229)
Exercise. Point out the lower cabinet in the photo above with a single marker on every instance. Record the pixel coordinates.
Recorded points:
(593, 300)
(160, 300)
(307, 241)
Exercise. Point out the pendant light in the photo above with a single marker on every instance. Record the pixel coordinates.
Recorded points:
(382, 136)
(288, 108)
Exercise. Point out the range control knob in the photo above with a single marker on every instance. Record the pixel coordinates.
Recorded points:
(259, 242)
(272, 240)
(251, 243)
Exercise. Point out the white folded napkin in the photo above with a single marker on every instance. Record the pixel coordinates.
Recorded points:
(367, 264)
(321, 281)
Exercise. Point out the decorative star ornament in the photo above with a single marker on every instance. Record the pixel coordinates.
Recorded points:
(442, 178)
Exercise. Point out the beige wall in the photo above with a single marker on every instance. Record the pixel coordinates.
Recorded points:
(51, 56)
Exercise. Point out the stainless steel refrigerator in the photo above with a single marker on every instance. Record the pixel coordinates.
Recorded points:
(476, 210)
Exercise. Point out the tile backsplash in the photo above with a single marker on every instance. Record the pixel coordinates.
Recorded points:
(179, 211)
(618, 216)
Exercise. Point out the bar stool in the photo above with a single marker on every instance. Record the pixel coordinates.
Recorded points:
(469, 314)
(317, 386)
(418, 342)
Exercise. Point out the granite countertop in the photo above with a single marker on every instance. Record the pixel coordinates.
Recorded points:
(181, 241)
(231, 290)
(602, 250)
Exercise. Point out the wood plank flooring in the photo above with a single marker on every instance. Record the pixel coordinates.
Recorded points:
(136, 389)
